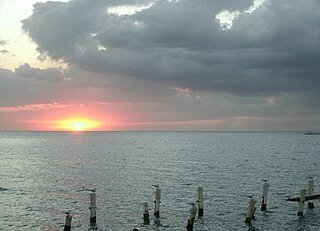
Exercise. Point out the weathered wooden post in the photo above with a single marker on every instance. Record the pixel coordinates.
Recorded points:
(303, 197)
(310, 192)
(200, 201)
(251, 209)
(301, 201)
(146, 219)
(264, 196)
(157, 201)
(67, 225)
(191, 220)
(93, 217)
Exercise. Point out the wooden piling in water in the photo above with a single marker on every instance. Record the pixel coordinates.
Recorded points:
(251, 210)
(146, 219)
(310, 192)
(157, 201)
(200, 201)
(93, 216)
(264, 196)
(301, 201)
(67, 225)
(192, 218)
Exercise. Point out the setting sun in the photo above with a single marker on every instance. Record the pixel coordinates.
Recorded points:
(78, 124)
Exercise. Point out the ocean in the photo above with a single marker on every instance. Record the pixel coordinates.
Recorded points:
(43, 175)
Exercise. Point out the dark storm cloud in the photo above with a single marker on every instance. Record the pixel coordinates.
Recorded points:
(273, 49)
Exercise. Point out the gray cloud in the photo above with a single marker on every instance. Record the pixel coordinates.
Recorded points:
(16, 91)
(49, 74)
(13, 90)
(3, 42)
(5, 52)
(273, 49)
(267, 63)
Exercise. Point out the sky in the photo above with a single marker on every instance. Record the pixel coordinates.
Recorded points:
(160, 65)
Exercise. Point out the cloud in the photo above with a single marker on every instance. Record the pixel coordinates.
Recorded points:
(34, 107)
(201, 125)
(180, 89)
(127, 9)
(5, 52)
(243, 62)
(225, 18)
(272, 46)
(21, 87)
(3, 42)
(49, 74)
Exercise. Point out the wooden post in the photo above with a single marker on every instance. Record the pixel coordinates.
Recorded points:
(200, 201)
(301, 201)
(157, 201)
(191, 220)
(93, 217)
(251, 210)
(67, 225)
(146, 219)
(264, 196)
(310, 192)
(303, 197)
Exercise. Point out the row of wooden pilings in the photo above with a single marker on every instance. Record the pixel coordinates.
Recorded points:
(193, 210)
(305, 195)
(146, 217)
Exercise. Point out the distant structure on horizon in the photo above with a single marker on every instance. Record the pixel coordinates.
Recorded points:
(312, 133)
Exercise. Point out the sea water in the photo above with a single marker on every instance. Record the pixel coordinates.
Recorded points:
(43, 175)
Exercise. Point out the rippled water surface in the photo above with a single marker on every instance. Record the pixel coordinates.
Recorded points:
(45, 174)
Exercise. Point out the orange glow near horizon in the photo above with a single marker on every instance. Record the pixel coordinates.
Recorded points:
(78, 124)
